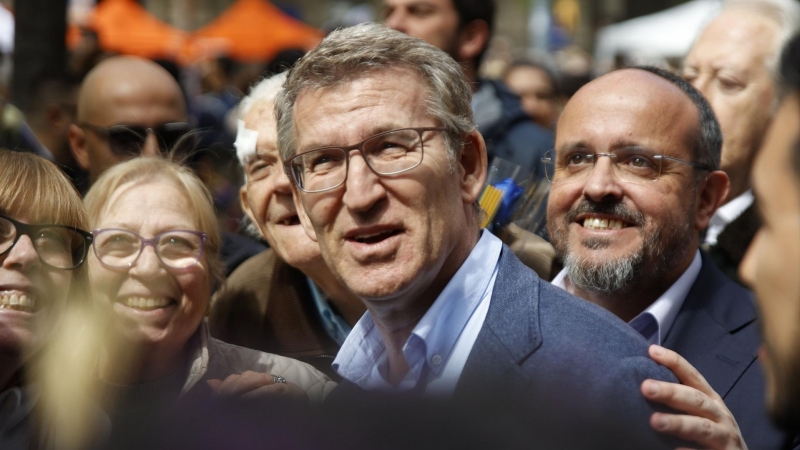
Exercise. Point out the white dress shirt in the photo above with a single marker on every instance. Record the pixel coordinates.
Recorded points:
(655, 322)
(726, 214)
(440, 343)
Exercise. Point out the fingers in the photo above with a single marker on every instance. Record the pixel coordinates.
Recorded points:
(685, 372)
(285, 390)
(683, 398)
(706, 433)
(235, 385)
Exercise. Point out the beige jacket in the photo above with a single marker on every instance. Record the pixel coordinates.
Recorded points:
(214, 359)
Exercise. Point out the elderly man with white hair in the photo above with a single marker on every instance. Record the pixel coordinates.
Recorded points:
(734, 64)
(284, 299)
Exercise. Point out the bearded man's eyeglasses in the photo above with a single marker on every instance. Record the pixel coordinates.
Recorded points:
(631, 164)
(388, 153)
(128, 140)
(59, 246)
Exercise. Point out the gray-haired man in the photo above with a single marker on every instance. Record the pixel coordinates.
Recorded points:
(376, 130)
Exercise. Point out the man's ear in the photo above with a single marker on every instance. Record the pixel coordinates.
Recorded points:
(248, 211)
(472, 166)
(710, 197)
(472, 39)
(301, 214)
(78, 147)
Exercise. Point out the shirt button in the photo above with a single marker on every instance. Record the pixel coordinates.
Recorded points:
(436, 360)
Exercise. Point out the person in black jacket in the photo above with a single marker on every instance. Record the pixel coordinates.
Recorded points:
(462, 29)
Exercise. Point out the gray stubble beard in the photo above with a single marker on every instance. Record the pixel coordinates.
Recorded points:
(645, 268)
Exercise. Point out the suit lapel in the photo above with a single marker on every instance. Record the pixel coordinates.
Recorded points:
(510, 332)
(715, 329)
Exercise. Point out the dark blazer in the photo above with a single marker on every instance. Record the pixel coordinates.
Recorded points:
(564, 349)
(566, 357)
(733, 241)
(717, 332)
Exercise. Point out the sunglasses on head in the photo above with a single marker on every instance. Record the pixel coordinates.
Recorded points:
(127, 140)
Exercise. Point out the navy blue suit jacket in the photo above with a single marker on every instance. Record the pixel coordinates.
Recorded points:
(568, 360)
(538, 338)
(717, 332)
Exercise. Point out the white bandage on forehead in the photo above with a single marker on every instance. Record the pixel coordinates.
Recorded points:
(245, 142)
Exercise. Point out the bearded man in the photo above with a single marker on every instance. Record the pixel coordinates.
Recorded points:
(635, 178)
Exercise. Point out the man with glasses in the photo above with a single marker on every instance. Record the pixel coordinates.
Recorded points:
(376, 132)
(635, 178)
(127, 107)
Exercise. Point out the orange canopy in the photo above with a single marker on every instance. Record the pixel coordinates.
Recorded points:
(124, 26)
(252, 30)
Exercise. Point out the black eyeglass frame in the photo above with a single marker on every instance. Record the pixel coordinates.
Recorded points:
(552, 160)
(291, 168)
(30, 230)
(141, 131)
(152, 242)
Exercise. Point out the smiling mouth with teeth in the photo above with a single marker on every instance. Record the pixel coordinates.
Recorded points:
(602, 224)
(145, 303)
(18, 302)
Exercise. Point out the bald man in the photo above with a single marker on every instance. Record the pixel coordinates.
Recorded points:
(635, 177)
(127, 107)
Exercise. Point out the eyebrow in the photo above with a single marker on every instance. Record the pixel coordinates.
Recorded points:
(377, 129)
(262, 153)
(619, 144)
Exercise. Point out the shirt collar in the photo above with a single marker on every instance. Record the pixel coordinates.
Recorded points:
(665, 308)
(439, 328)
(728, 212)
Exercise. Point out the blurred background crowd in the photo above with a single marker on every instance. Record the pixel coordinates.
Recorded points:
(544, 49)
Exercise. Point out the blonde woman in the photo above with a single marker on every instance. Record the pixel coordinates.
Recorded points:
(154, 262)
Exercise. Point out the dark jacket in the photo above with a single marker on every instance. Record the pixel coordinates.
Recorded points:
(717, 331)
(577, 366)
(733, 241)
(510, 134)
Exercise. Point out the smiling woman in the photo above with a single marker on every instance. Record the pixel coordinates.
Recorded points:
(42, 248)
(154, 261)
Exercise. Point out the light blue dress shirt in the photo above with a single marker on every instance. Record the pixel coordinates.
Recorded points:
(440, 343)
(655, 322)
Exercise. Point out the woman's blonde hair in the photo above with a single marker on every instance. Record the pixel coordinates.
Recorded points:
(34, 186)
(145, 169)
